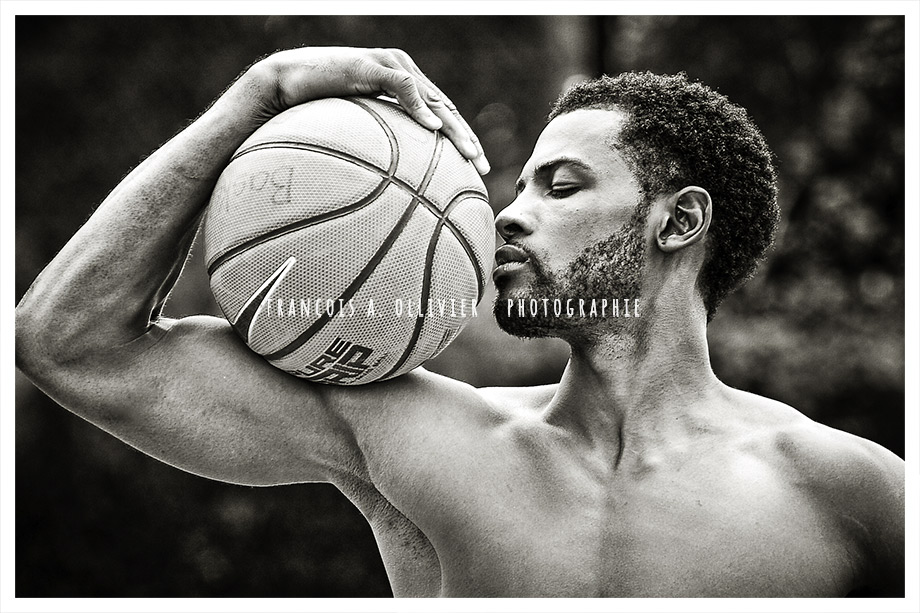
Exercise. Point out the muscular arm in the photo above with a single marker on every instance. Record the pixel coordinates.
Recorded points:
(89, 330)
(881, 502)
(860, 485)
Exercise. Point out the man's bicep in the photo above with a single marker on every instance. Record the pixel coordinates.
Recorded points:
(886, 499)
(870, 494)
(192, 395)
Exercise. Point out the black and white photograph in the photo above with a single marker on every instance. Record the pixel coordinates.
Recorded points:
(340, 308)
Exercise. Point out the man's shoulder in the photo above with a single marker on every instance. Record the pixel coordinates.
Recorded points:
(837, 460)
(855, 486)
(844, 474)
(816, 452)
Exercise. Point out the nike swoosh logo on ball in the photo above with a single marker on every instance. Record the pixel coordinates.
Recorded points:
(243, 322)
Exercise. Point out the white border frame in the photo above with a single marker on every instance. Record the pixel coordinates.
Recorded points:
(10, 8)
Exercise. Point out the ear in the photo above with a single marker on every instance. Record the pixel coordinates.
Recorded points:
(686, 219)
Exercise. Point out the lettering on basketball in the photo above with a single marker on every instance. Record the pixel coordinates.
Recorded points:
(275, 183)
(341, 362)
(281, 185)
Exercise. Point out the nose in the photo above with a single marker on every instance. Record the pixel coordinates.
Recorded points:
(511, 222)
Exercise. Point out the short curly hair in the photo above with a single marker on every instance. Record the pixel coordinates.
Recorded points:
(679, 133)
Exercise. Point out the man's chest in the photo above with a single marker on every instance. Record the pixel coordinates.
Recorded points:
(689, 548)
(501, 531)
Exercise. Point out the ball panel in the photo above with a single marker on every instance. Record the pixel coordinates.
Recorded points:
(470, 217)
(452, 291)
(415, 143)
(452, 274)
(453, 174)
(273, 188)
(335, 123)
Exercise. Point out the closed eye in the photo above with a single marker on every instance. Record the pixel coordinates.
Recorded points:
(563, 191)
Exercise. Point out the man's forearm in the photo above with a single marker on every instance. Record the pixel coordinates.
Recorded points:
(113, 275)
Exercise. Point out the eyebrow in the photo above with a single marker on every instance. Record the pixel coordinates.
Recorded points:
(548, 167)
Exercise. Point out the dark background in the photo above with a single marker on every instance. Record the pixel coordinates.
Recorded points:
(821, 327)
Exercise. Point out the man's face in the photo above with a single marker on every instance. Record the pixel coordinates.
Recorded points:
(574, 230)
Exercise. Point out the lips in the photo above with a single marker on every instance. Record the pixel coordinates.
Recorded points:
(507, 254)
(508, 260)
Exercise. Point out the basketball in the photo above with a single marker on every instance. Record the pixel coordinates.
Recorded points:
(346, 243)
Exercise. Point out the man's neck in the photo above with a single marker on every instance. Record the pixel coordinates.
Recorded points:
(642, 389)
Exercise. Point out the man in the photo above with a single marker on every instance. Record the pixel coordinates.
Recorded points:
(638, 474)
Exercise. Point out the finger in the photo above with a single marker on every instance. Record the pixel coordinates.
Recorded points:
(432, 112)
(403, 86)
(481, 163)
(404, 60)
(451, 116)
(454, 127)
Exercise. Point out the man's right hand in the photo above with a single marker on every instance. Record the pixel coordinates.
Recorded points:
(288, 78)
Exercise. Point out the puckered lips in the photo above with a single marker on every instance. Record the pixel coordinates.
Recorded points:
(507, 259)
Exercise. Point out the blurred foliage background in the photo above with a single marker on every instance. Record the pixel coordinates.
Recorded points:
(821, 327)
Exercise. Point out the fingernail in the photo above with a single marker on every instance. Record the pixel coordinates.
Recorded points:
(482, 165)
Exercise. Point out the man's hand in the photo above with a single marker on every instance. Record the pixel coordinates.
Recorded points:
(289, 78)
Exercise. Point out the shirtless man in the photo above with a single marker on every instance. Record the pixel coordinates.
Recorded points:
(638, 474)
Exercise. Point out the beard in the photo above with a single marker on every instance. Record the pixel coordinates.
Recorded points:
(607, 270)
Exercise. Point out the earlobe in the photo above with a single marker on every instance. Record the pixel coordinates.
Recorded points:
(687, 219)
